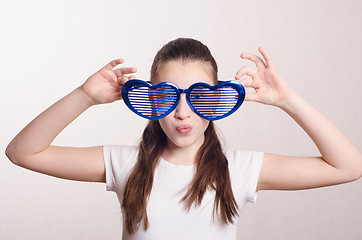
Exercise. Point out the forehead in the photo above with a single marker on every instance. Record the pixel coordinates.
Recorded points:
(185, 73)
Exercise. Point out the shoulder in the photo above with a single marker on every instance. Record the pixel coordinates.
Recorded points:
(119, 161)
(244, 169)
(120, 151)
(244, 166)
(243, 159)
(120, 158)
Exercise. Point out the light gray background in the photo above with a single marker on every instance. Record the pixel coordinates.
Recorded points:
(48, 48)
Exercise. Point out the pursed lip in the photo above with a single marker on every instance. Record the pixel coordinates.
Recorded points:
(184, 129)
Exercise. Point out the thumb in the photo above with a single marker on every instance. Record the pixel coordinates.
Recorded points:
(252, 97)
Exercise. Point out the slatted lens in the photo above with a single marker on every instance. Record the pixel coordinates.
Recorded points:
(152, 102)
(214, 103)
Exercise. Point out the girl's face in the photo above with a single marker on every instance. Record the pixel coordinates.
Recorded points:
(183, 127)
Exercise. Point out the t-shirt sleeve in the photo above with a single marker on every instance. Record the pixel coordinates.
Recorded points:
(244, 168)
(253, 178)
(119, 161)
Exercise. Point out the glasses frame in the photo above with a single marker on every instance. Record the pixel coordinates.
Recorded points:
(137, 82)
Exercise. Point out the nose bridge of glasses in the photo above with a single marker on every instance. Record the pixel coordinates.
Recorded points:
(182, 90)
(183, 98)
(183, 105)
(185, 92)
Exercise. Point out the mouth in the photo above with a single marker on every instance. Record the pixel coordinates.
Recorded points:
(184, 129)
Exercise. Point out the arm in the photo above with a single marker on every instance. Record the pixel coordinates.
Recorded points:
(31, 148)
(340, 160)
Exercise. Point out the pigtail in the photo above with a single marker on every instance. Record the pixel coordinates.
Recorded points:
(212, 173)
(139, 184)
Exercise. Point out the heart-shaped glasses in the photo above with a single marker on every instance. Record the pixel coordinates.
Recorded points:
(157, 101)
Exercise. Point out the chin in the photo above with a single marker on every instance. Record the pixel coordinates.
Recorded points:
(185, 142)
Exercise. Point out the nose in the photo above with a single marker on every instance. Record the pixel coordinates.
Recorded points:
(183, 110)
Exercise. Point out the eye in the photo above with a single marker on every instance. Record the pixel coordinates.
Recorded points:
(197, 95)
(170, 97)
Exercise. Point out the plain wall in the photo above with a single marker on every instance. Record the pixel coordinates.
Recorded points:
(48, 48)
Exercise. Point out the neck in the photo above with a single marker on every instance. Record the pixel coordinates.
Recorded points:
(181, 155)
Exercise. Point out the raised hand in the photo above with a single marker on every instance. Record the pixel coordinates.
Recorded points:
(269, 87)
(105, 85)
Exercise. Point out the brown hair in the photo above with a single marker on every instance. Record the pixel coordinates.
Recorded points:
(212, 170)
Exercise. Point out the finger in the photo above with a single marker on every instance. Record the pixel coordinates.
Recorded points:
(247, 82)
(252, 97)
(132, 77)
(122, 71)
(267, 58)
(122, 80)
(114, 63)
(245, 70)
(257, 60)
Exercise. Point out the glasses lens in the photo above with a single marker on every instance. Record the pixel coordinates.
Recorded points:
(214, 104)
(152, 103)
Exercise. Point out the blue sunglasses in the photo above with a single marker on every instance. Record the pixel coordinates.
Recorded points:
(157, 101)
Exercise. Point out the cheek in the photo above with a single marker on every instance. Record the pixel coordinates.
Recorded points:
(201, 124)
(165, 123)
(204, 124)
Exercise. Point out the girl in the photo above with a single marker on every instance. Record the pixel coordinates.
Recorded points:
(179, 183)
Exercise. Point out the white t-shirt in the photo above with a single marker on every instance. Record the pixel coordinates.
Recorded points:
(166, 215)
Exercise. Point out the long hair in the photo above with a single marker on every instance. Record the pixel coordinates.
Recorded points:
(211, 165)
